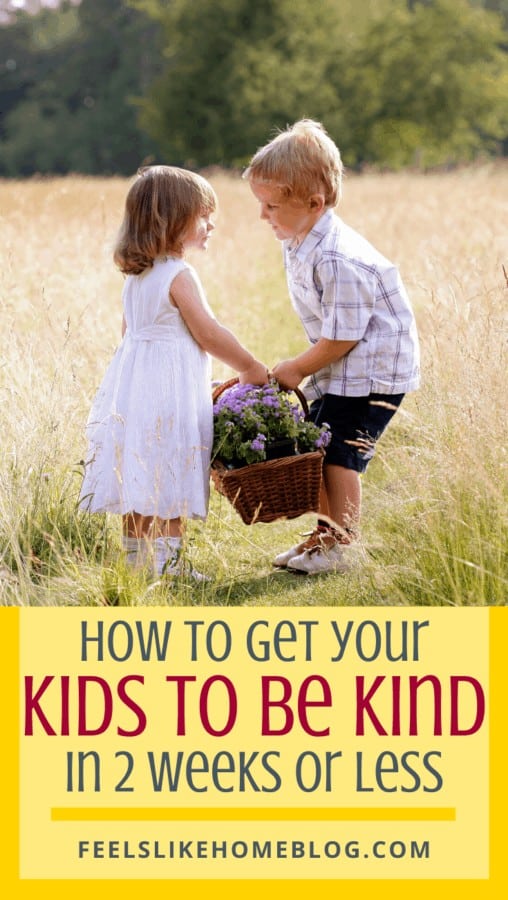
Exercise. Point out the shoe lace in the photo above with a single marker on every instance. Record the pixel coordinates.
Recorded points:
(323, 538)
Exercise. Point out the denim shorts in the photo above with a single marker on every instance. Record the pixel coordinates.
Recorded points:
(355, 424)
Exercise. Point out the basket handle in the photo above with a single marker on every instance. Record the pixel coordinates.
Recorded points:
(220, 388)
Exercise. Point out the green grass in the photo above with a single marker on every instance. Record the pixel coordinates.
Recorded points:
(420, 551)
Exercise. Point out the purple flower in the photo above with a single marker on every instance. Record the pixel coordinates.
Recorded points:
(323, 440)
(246, 417)
(258, 443)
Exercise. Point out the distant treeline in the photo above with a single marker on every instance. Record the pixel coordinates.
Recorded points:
(102, 87)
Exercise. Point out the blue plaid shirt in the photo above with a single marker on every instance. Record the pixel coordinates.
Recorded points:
(343, 289)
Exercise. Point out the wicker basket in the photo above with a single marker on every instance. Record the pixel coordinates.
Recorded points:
(278, 489)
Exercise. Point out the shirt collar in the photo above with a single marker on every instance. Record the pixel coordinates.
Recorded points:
(314, 237)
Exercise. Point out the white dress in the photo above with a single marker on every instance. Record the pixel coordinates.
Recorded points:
(150, 429)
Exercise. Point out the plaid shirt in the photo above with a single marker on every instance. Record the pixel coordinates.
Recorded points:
(344, 290)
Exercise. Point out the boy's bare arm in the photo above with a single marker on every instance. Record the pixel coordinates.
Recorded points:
(290, 372)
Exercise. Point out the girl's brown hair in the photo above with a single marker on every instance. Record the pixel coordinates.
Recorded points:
(301, 161)
(160, 207)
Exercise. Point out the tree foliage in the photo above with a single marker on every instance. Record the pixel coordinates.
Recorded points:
(235, 70)
(72, 79)
(101, 88)
(433, 87)
(426, 84)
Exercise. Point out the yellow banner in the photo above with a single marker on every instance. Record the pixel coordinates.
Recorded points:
(251, 749)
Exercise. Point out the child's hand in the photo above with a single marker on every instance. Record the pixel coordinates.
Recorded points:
(257, 373)
(288, 374)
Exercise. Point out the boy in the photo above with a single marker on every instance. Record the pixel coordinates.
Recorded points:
(364, 353)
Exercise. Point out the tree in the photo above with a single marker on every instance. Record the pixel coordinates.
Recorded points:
(426, 84)
(28, 52)
(235, 70)
(204, 82)
(430, 87)
(72, 105)
(499, 6)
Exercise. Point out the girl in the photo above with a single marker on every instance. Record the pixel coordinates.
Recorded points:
(151, 426)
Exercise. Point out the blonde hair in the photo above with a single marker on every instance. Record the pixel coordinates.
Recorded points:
(301, 161)
(160, 207)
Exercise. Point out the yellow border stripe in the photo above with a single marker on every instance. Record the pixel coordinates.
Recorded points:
(272, 889)
(289, 814)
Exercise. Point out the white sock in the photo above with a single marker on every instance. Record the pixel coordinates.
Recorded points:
(165, 549)
(135, 550)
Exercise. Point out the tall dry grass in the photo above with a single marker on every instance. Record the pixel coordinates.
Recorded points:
(435, 496)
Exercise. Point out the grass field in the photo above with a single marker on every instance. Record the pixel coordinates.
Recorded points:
(435, 521)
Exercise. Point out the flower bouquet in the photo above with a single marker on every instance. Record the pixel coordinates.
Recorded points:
(267, 456)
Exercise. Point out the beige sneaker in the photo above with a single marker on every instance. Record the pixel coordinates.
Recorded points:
(313, 539)
(172, 562)
(327, 554)
(178, 567)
